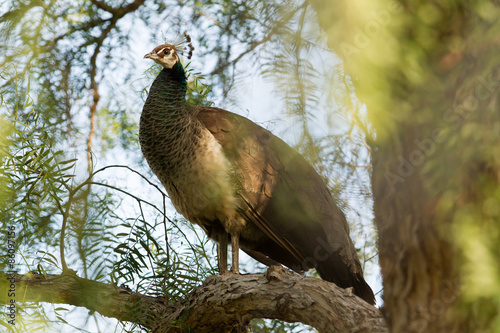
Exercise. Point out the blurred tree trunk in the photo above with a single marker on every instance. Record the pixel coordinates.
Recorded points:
(428, 75)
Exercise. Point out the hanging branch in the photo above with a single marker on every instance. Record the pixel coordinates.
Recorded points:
(118, 13)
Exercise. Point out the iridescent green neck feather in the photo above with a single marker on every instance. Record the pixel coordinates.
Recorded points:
(168, 128)
(168, 90)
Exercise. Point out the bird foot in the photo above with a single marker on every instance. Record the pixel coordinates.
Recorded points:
(276, 273)
(231, 271)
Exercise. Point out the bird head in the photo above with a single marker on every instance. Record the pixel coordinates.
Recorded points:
(166, 55)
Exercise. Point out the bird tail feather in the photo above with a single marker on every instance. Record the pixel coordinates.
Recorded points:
(346, 278)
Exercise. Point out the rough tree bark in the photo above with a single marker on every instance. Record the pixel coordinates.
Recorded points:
(427, 74)
(220, 304)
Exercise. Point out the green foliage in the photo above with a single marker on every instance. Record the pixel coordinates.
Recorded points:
(59, 57)
(43, 199)
(117, 126)
(198, 91)
(33, 175)
(477, 234)
(34, 172)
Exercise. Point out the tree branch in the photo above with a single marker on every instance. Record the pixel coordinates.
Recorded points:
(118, 13)
(104, 6)
(257, 43)
(221, 303)
(109, 300)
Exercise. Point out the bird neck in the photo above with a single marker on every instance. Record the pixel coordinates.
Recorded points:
(168, 127)
(170, 86)
(166, 100)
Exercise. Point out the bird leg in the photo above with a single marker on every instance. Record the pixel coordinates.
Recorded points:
(235, 249)
(222, 253)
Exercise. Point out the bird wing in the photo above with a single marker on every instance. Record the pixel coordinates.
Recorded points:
(244, 143)
(284, 197)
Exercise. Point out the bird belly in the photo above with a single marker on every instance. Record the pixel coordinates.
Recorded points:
(201, 189)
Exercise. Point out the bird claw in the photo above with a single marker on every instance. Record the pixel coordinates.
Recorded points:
(230, 271)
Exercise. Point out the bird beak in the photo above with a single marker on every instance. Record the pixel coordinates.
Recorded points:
(151, 55)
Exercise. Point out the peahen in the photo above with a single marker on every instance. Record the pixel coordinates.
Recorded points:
(242, 184)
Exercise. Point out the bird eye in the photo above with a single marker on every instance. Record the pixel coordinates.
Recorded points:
(166, 52)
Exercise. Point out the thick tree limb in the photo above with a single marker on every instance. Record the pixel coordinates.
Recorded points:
(226, 301)
(221, 303)
(108, 300)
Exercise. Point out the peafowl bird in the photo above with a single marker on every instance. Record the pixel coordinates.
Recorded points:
(241, 184)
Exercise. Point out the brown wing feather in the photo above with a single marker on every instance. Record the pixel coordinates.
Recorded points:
(298, 223)
(245, 144)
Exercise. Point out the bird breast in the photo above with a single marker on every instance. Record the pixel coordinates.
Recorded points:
(200, 188)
